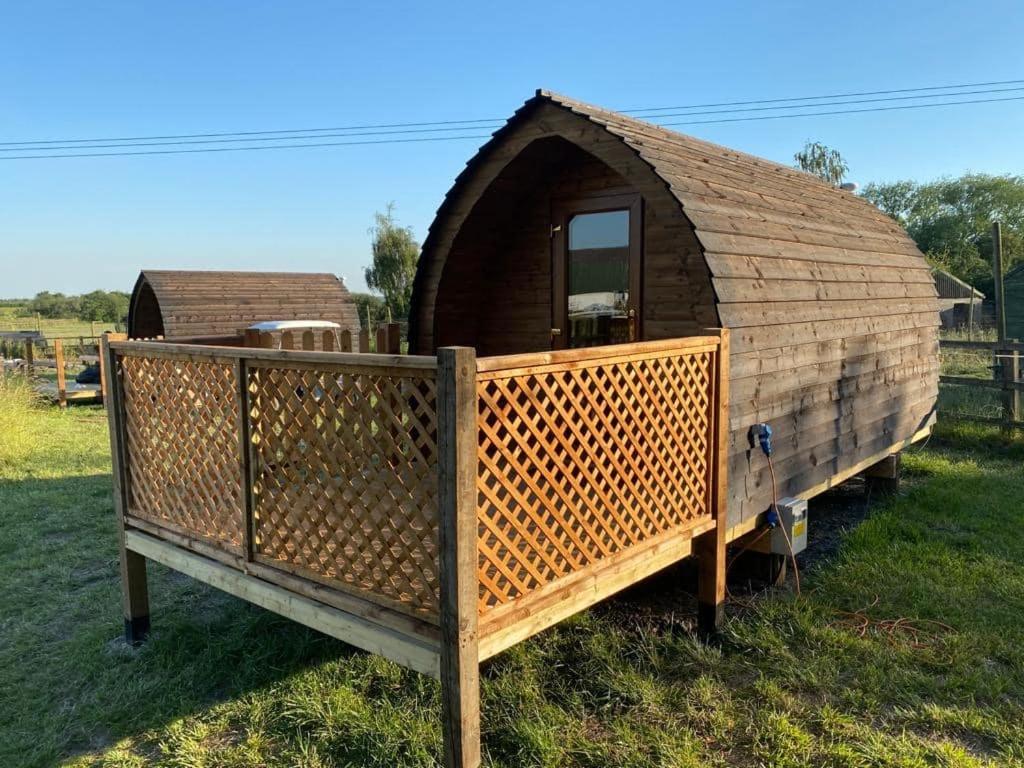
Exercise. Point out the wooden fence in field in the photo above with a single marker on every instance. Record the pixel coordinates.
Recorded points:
(1006, 380)
(433, 509)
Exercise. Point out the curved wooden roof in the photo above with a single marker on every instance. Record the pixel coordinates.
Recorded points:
(175, 303)
(768, 232)
(833, 309)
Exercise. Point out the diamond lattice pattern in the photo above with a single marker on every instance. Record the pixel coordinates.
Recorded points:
(181, 425)
(576, 465)
(345, 481)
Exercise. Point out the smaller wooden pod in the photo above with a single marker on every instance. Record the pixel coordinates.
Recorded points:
(175, 304)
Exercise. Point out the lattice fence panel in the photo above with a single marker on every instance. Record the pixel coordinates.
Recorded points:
(345, 491)
(181, 425)
(577, 465)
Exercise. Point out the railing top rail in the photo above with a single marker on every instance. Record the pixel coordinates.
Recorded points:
(203, 352)
(570, 359)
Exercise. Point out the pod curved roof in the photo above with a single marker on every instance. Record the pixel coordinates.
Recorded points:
(741, 207)
(180, 303)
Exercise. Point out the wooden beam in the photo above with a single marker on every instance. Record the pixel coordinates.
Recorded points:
(410, 652)
(710, 547)
(134, 587)
(883, 477)
(511, 623)
(245, 458)
(457, 468)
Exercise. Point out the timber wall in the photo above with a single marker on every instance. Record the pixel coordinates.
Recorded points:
(832, 306)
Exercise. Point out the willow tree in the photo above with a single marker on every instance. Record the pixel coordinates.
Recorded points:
(395, 252)
(822, 161)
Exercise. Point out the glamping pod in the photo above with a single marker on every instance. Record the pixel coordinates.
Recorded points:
(577, 226)
(176, 304)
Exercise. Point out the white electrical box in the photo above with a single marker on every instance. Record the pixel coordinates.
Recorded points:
(792, 518)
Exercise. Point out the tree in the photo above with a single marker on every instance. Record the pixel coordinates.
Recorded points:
(53, 305)
(951, 220)
(395, 252)
(104, 306)
(370, 308)
(825, 163)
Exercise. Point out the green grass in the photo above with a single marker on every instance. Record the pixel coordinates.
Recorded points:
(12, 319)
(958, 399)
(221, 683)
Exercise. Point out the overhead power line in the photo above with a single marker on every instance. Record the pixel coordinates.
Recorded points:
(444, 129)
(423, 124)
(833, 96)
(246, 149)
(383, 133)
(846, 111)
(250, 138)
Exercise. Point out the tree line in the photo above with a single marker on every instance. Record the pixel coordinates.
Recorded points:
(950, 219)
(99, 306)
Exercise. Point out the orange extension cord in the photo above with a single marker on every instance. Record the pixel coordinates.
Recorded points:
(789, 544)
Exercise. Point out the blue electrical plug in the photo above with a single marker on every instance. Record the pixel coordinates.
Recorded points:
(764, 437)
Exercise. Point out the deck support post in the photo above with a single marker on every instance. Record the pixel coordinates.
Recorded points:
(457, 468)
(134, 595)
(884, 477)
(134, 587)
(710, 547)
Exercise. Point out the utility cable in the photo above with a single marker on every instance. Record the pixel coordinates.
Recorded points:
(782, 526)
(467, 124)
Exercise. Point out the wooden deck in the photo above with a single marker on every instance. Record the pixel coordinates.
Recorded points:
(434, 510)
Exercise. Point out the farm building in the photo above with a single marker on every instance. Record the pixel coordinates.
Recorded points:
(180, 303)
(1013, 291)
(576, 226)
(959, 303)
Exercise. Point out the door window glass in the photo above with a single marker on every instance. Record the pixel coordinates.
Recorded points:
(598, 283)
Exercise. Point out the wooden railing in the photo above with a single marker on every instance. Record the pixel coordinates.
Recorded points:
(1001, 388)
(435, 510)
(588, 459)
(318, 464)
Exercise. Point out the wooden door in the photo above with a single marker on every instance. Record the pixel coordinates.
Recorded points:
(596, 271)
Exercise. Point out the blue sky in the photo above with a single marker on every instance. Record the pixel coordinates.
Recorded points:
(98, 69)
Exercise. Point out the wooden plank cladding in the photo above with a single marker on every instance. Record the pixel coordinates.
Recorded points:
(832, 306)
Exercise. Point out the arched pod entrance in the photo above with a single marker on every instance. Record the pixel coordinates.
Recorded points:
(490, 271)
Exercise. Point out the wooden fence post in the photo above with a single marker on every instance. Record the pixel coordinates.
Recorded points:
(997, 275)
(134, 589)
(1008, 361)
(460, 591)
(106, 338)
(62, 377)
(29, 357)
(710, 547)
(245, 458)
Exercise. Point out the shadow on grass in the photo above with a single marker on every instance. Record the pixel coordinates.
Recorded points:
(68, 683)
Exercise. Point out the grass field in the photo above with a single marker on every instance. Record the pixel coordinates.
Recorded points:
(829, 679)
(10, 320)
(957, 399)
